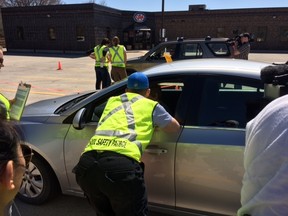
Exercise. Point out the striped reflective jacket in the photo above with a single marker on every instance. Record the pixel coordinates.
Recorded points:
(125, 127)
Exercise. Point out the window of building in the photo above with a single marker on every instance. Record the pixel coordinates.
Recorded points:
(108, 32)
(80, 33)
(20, 33)
(261, 34)
(284, 33)
(51, 33)
(220, 32)
(125, 37)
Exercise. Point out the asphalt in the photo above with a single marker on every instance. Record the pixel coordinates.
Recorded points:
(58, 75)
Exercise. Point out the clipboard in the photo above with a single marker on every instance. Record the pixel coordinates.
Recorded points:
(22, 94)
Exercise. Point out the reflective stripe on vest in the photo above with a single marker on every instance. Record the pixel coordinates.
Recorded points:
(98, 52)
(117, 56)
(132, 123)
(126, 105)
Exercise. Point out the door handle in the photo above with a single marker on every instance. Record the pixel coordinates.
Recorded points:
(156, 151)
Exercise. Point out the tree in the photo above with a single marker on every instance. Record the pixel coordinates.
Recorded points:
(25, 3)
(101, 2)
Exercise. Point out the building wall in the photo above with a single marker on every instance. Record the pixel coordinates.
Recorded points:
(78, 27)
(269, 26)
(60, 28)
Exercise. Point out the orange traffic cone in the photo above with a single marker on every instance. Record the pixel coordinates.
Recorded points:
(59, 66)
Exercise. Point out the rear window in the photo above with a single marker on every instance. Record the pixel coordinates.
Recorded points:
(219, 49)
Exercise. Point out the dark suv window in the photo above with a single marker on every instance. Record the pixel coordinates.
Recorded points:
(219, 49)
(191, 50)
(165, 49)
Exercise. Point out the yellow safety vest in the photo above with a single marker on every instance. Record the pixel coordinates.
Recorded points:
(6, 102)
(117, 53)
(98, 52)
(125, 127)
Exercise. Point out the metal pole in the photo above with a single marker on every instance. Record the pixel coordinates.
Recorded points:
(162, 23)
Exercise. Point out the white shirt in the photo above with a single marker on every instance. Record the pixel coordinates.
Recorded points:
(265, 182)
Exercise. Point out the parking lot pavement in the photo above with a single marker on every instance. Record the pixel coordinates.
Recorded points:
(76, 73)
(61, 205)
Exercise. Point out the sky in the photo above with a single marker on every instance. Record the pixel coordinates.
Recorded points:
(183, 5)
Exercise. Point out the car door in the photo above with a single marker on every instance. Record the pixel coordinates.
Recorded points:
(159, 157)
(209, 155)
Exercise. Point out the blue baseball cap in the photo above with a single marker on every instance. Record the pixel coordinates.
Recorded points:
(138, 81)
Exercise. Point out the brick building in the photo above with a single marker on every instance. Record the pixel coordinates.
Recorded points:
(78, 27)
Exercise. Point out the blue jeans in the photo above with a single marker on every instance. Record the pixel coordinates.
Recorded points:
(113, 183)
(102, 76)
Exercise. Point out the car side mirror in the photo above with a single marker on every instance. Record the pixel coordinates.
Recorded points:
(78, 120)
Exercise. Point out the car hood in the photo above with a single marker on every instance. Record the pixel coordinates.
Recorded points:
(49, 106)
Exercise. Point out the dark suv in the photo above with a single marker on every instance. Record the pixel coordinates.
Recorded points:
(181, 49)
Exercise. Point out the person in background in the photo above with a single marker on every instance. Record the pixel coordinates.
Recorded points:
(118, 58)
(241, 48)
(110, 171)
(100, 55)
(12, 165)
(265, 181)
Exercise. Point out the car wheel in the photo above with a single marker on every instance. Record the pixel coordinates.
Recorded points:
(39, 183)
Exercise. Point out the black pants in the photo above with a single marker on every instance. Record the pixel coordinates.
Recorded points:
(102, 76)
(114, 184)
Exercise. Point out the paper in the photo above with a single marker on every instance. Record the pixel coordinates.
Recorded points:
(17, 108)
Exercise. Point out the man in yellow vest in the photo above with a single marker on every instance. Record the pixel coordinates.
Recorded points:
(100, 55)
(110, 171)
(118, 58)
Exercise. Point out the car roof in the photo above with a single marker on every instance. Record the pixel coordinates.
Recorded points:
(236, 67)
(207, 39)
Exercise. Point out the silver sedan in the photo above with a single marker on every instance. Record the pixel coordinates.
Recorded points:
(197, 171)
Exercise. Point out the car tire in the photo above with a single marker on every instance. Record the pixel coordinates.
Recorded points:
(39, 183)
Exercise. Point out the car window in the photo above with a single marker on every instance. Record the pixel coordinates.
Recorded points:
(167, 93)
(229, 102)
(158, 54)
(165, 90)
(191, 50)
(219, 49)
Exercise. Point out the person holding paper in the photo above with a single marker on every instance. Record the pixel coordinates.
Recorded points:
(5, 106)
